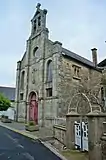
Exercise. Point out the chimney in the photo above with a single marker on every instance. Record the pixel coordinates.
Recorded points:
(94, 56)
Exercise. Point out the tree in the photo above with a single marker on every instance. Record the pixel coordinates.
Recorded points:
(4, 103)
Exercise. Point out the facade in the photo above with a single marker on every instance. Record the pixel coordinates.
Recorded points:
(49, 75)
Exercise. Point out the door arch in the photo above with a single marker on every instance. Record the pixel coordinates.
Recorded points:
(33, 107)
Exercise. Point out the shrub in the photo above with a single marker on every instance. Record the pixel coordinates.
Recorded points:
(4, 103)
(31, 123)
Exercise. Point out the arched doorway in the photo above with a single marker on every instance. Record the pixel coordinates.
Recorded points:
(33, 107)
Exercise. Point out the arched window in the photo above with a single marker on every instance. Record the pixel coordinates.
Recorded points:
(39, 20)
(49, 71)
(36, 53)
(22, 79)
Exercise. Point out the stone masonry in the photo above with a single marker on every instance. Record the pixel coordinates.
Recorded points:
(70, 74)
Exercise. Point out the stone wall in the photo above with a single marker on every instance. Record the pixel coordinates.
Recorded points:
(88, 81)
(21, 111)
(52, 52)
(103, 147)
(59, 133)
(103, 142)
(96, 133)
(50, 121)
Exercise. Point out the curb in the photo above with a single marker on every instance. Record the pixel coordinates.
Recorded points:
(53, 150)
(46, 144)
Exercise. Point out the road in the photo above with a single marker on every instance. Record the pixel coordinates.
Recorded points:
(14, 146)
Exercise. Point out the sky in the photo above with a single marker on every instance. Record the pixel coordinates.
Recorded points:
(79, 24)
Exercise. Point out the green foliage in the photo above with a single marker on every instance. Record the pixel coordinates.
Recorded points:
(31, 123)
(4, 103)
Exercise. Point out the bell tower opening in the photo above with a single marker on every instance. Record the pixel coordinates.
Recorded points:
(39, 20)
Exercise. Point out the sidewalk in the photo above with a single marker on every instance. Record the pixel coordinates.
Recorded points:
(43, 132)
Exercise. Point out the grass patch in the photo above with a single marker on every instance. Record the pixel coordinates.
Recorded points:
(75, 155)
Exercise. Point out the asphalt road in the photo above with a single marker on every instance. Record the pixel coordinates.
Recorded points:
(14, 146)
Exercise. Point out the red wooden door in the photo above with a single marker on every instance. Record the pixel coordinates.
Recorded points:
(33, 109)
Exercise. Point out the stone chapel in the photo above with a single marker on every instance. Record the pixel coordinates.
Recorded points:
(48, 76)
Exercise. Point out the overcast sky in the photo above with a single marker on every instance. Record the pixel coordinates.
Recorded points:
(79, 24)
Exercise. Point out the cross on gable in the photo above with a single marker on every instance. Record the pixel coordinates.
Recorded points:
(38, 6)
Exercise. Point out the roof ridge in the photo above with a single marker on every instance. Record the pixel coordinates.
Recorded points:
(78, 55)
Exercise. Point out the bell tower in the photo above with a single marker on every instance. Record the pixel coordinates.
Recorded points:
(39, 21)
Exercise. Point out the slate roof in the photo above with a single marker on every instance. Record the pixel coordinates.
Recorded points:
(102, 63)
(9, 92)
(77, 57)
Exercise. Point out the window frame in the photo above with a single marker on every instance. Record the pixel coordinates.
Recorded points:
(21, 96)
(49, 75)
(49, 92)
(77, 70)
(22, 80)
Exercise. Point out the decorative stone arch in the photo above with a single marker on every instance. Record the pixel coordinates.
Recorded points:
(49, 59)
(33, 106)
(84, 108)
(75, 107)
(29, 94)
